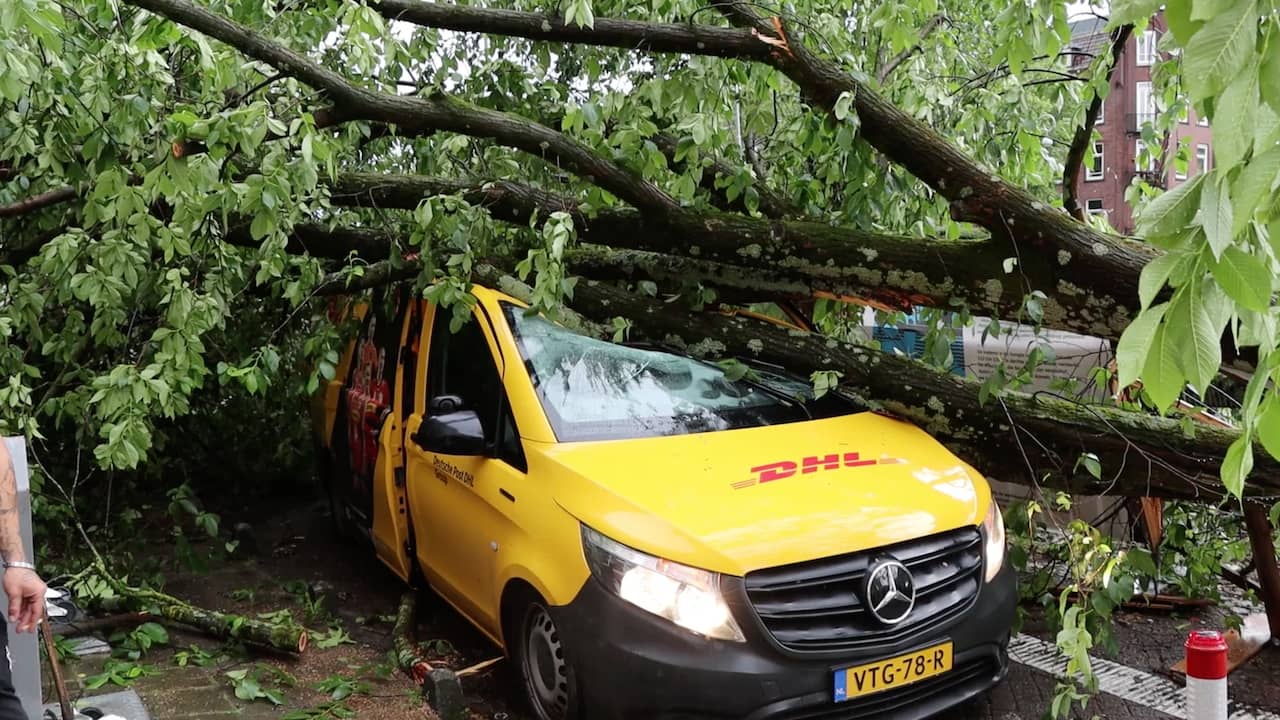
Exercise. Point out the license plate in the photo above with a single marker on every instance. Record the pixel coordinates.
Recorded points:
(891, 673)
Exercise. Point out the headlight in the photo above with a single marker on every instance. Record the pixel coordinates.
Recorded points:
(686, 596)
(993, 532)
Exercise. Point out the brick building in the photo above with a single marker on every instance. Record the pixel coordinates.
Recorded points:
(1118, 148)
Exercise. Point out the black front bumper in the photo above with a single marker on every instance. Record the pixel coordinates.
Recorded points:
(634, 665)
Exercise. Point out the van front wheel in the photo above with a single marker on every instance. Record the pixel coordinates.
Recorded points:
(546, 670)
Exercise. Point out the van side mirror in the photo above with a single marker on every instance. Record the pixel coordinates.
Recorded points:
(456, 432)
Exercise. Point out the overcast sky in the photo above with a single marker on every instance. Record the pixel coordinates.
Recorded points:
(1075, 9)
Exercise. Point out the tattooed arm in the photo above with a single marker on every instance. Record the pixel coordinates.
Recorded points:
(22, 585)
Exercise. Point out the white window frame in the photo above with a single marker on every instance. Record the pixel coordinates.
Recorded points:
(1202, 121)
(1204, 161)
(1145, 44)
(1102, 111)
(1090, 174)
(1179, 174)
(1145, 111)
(1089, 207)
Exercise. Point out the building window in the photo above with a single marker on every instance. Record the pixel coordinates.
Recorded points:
(1102, 111)
(1180, 165)
(1094, 207)
(1202, 158)
(1094, 170)
(1202, 121)
(1147, 48)
(1144, 104)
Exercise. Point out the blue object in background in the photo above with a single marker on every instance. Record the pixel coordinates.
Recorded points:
(910, 342)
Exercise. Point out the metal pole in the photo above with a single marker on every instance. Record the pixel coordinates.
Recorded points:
(1261, 538)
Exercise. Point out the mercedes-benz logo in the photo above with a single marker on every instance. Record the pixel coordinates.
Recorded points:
(890, 592)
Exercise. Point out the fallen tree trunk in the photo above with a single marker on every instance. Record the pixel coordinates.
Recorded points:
(284, 637)
(404, 642)
(1030, 439)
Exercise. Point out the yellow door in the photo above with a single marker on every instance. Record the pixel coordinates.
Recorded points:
(390, 501)
(465, 464)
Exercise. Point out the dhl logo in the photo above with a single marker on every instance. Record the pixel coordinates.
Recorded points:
(784, 469)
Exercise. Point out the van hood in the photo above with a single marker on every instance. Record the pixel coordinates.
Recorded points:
(741, 500)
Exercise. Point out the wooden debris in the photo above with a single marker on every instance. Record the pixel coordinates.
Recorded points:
(1239, 651)
(479, 667)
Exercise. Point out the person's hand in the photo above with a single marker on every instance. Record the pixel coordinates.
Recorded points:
(26, 598)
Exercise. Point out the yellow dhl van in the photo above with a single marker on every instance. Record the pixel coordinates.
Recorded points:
(646, 538)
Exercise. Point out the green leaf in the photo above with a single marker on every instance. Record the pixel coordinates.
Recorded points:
(1209, 9)
(1172, 211)
(1269, 73)
(843, 106)
(1127, 12)
(1234, 128)
(1155, 274)
(1193, 329)
(1215, 215)
(1162, 379)
(1219, 51)
(1244, 278)
(1253, 184)
(1268, 426)
(1237, 464)
(1091, 465)
(1132, 352)
(1140, 559)
(261, 225)
(1177, 15)
(824, 381)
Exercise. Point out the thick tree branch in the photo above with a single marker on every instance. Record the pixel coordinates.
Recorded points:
(606, 32)
(377, 274)
(323, 242)
(425, 115)
(38, 202)
(1084, 133)
(890, 270)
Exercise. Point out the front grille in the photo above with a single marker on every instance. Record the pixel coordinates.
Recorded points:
(817, 606)
(892, 702)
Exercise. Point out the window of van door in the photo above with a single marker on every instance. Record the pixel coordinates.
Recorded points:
(462, 365)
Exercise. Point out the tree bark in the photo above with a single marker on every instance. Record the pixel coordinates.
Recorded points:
(889, 270)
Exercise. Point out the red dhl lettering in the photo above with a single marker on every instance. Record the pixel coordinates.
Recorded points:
(783, 469)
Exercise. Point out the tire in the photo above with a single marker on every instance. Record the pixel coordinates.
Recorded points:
(548, 677)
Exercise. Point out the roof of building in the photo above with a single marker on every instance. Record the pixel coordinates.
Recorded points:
(1088, 26)
(1088, 35)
